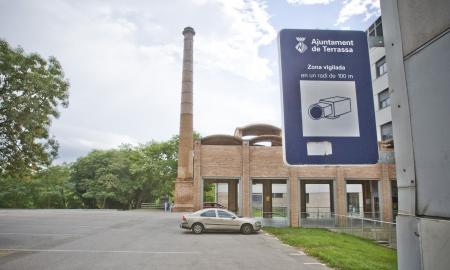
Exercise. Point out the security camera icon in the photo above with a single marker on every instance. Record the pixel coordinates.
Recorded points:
(330, 108)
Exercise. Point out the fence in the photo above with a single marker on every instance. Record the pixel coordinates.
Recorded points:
(277, 218)
(155, 206)
(317, 212)
(380, 231)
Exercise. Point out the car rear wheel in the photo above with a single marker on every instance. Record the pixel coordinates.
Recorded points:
(246, 229)
(197, 228)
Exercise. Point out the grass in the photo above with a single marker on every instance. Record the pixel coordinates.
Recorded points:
(340, 251)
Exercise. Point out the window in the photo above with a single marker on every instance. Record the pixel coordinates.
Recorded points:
(209, 213)
(381, 66)
(277, 195)
(384, 99)
(386, 131)
(257, 198)
(376, 29)
(223, 214)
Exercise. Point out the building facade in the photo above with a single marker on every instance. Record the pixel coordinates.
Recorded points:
(248, 166)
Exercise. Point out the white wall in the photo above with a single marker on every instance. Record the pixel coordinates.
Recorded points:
(382, 116)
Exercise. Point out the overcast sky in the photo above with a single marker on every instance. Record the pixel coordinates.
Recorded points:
(123, 61)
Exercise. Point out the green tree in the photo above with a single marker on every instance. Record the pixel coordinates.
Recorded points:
(156, 169)
(16, 193)
(31, 89)
(125, 177)
(52, 188)
(103, 179)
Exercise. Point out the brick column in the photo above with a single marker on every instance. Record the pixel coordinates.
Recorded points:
(385, 194)
(245, 180)
(340, 207)
(293, 197)
(198, 192)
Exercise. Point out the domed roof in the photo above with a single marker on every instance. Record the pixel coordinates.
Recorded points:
(257, 130)
(273, 139)
(221, 139)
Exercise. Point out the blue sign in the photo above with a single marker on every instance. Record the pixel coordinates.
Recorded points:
(327, 98)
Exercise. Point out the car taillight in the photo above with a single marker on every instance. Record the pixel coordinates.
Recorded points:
(183, 218)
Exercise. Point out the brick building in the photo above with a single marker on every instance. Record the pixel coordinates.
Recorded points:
(251, 169)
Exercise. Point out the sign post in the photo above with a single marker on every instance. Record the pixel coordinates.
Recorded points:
(327, 98)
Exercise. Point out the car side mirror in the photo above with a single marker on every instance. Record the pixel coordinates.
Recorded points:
(233, 217)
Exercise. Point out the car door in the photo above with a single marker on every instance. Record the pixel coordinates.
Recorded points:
(209, 219)
(227, 221)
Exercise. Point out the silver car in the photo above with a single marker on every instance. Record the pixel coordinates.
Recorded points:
(218, 219)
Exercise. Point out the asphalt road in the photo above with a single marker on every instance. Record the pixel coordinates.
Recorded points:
(97, 239)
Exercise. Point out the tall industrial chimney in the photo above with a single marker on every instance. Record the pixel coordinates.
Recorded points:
(184, 183)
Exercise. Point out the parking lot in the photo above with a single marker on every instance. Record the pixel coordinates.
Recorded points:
(103, 239)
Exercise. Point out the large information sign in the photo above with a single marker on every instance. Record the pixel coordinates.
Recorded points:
(327, 98)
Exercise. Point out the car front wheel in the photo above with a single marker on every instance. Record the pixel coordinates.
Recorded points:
(197, 228)
(246, 229)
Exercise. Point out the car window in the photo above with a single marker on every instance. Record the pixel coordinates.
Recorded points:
(223, 214)
(209, 213)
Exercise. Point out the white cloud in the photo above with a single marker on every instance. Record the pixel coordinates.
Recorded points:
(351, 8)
(236, 48)
(123, 60)
(309, 2)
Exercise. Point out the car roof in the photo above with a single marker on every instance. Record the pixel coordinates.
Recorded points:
(207, 209)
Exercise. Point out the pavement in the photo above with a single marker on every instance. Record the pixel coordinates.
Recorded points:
(109, 239)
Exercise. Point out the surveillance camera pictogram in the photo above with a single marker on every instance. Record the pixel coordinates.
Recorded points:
(330, 108)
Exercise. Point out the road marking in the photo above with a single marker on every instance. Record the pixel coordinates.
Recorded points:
(99, 251)
(314, 263)
(42, 234)
(297, 254)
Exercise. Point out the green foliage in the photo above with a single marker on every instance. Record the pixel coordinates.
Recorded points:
(53, 189)
(125, 177)
(16, 193)
(31, 89)
(209, 192)
(49, 188)
(118, 178)
(340, 251)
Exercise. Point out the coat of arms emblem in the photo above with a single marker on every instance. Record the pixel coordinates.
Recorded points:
(301, 46)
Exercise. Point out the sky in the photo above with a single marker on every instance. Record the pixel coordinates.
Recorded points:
(123, 60)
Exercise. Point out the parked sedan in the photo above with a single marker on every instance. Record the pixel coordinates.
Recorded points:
(216, 219)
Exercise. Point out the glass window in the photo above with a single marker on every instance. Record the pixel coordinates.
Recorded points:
(379, 30)
(372, 31)
(376, 29)
(277, 195)
(223, 214)
(209, 213)
(386, 131)
(381, 67)
(384, 99)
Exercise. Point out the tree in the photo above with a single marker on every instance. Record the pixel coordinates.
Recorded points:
(102, 179)
(52, 188)
(31, 89)
(155, 169)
